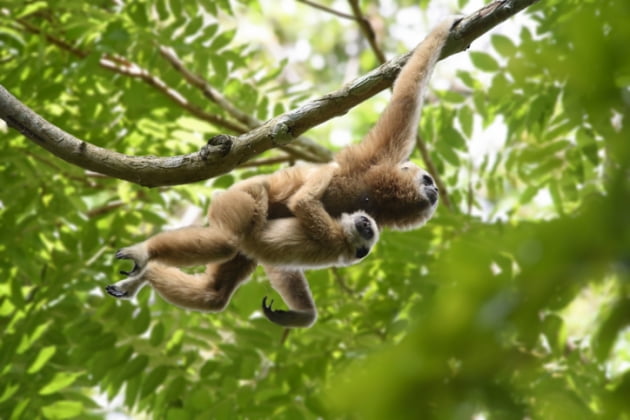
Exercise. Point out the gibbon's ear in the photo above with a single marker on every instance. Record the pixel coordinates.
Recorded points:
(293, 288)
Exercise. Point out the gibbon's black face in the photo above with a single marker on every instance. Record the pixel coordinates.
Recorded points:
(430, 189)
(417, 197)
(424, 180)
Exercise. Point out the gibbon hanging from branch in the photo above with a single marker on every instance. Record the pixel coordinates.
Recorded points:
(300, 217)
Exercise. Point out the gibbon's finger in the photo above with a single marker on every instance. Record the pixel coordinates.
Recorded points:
(264, 305)
(131, 272)
(115, 291)
(288, 319)
(121, 255)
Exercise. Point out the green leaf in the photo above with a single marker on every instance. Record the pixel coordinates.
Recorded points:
(142, 320)
(42, 358)
(194, 25)
(503, 45)
(484, 61)
(32, 8)
(60, 381)
(9, 391)
(466, 120)
(157, 334)
(135, 366)
(62, 410)
(154, 379)
(222, 40)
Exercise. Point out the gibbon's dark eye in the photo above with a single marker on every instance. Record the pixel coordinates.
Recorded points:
(427, 180)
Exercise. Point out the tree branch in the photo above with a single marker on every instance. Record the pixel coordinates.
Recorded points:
(368, 32)
(133, 70)
(212, 161)
(319, 153)
(327, 9)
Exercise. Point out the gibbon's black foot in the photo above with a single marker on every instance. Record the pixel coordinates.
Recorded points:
(115, 291)
(364, 227)
(221, 145)
(288, 318)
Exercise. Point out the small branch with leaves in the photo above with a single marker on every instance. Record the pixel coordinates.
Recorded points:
(214, 159)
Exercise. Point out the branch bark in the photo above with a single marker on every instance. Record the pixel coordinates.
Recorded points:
(212, 161)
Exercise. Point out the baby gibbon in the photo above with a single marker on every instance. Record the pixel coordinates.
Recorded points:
(321, 203)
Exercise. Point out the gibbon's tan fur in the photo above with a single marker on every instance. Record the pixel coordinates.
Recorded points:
(300, 217)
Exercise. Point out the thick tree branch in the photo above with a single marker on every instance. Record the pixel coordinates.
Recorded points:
(212, 161)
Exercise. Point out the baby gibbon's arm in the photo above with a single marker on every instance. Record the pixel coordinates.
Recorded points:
(393, 137)
(293, 288)
(307, 207)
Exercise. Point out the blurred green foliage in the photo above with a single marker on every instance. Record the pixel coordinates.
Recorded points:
(515, 303)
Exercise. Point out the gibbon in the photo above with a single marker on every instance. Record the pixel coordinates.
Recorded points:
(300, 217)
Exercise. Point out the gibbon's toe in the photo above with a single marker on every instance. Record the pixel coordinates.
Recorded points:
(264, 305)
(122, 254)
(115, 291)
(132, 272)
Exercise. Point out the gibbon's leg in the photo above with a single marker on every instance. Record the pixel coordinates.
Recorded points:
(307, 207)
(187, 246)
(241, 210)
(293, 288)
(393, 137)
(209, 291)
(232, 214)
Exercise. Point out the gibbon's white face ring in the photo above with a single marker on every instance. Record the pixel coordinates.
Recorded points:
(423, 178)
(430, 190)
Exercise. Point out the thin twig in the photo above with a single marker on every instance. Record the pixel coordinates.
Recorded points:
(312, 152)
(99, 211)
(208, 91)
(137, 72)
(368, 31)
(123, 66)
(342, 282)
(327, 9)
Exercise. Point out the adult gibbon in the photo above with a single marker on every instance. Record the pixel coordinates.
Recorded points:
(325, 205)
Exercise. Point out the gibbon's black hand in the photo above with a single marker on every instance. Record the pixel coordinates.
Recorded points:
(288, 319)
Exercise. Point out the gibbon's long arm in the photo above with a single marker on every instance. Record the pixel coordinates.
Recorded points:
(392, 139)
(293, 288)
